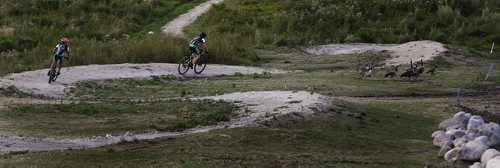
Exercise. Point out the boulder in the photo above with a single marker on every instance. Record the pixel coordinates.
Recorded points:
(459, 142)
(452, 155)
(494, 163)
(489, 154)
(473, 150)
(436, 133)
(459, 120)
(444, 150)
(474, 122)
(492, 131)
(440, 138)
(476, 165)
(471, 134)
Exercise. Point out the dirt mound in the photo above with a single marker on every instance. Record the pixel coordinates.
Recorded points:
(36, 82)
(400, 54)
(416, 50)
(255, 107)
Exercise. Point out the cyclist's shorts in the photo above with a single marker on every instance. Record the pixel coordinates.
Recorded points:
(56, 57)
(195, 49)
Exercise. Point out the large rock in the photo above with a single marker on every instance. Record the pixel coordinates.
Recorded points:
(492, 131)
(459, 120)
(459, 142)
(476, 165)
(471, 134)
(489, 154)
(452, 155)
(444, 150)
(474, 122)
(494, 163)
(439, 138)
(473, 150)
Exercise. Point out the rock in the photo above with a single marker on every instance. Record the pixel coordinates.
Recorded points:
(489, 154)
(436, 133)
(471, 134)
(440, 138)
(108, 136)
(444, 150)
(473, 150)
(459, 142)
(494, 163)
(151, 33)
(492, 131)
(452, 155)
(474, 122)
(459, 120)
(476, 165)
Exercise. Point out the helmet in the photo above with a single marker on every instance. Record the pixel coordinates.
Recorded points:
(203, 35)
(65, 41)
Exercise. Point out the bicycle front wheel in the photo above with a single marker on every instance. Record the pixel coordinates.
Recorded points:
(200, 66)
(184, 65)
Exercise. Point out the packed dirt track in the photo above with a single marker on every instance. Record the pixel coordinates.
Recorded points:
(36, 82)
(255, 107)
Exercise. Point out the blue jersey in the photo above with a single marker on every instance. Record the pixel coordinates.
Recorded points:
(61, 49)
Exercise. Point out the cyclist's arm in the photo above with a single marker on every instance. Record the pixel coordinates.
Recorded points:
(205, 47)
(67, 52)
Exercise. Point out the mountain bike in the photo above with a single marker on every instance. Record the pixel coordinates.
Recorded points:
(187, 62)
(54, 70)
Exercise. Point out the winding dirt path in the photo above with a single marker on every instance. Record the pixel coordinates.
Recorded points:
(254, 107)
(36, 82)
(175, 27)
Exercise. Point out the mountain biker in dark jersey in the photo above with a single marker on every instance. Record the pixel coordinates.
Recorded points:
(194, 46)
(59, 50)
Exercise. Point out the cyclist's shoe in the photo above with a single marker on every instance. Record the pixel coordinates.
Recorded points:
(190, 65)
(199, 63)
(58, 73)
(48, 73)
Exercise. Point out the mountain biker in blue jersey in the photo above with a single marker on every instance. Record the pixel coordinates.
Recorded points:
(194, 46)
(59, 50)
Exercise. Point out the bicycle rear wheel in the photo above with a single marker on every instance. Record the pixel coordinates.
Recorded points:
(53, 73)
(200, 66)
(184, 65)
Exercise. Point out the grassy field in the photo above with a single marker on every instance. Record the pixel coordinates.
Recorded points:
(374, 122)
(360, 130)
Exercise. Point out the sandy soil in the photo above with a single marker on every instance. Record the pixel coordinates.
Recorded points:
(254, 107)
(175, 27)
(36, 82)
(400, 54)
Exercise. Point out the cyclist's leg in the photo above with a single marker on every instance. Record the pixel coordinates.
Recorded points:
(52, 65)
(198, 53)
(60, 58)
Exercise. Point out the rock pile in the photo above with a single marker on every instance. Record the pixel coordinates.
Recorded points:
(469, 138)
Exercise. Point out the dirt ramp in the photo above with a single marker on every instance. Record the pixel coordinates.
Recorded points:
(416, 50)
(400, 54)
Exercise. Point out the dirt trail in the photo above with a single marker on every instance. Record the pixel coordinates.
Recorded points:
(254, 107)
(175, 26)
(400, 54)
(36, 82)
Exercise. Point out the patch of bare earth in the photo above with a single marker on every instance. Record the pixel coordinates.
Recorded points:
(400, 54)
(254, 107)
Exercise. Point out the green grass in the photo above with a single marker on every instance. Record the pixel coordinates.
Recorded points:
(92, 119)
(353, 135)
